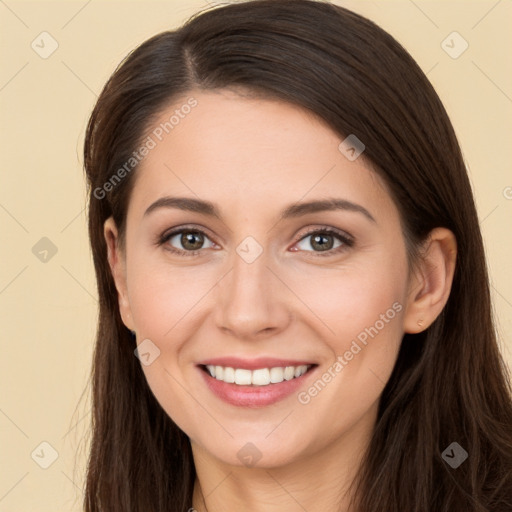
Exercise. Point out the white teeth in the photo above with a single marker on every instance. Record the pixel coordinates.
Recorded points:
(289, 372)
(229, 375)
(242, 377)
(259, 377)
(276, 375)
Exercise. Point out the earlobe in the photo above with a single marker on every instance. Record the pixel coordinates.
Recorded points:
(117, 265)
(431, 285)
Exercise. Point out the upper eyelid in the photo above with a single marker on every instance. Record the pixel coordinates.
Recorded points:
(176, 231)
(332, 231)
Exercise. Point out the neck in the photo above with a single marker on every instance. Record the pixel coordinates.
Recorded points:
(318, 481)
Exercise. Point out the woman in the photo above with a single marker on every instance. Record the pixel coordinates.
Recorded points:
(294, 303)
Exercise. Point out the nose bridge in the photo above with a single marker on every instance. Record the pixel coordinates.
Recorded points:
(248, 301)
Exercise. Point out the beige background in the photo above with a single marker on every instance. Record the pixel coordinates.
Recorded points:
(48, 308)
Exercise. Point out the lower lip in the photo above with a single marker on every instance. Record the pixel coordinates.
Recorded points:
(254, 396)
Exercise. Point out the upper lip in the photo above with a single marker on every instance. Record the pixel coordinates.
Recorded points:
(253, 364)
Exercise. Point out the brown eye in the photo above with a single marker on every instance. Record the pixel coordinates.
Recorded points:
(324, 241)
(187, 242)
(191, 240)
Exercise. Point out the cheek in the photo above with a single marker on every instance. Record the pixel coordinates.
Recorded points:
(348, 301)
(361, 313)
(162, 304)
(167, 306)
(163, 297)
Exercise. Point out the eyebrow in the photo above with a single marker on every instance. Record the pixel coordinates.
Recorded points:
(292, 211)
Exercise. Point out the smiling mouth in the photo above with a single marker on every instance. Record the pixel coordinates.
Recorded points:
(256, 378)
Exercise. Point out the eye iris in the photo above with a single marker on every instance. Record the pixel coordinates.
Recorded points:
(191, 237)
(322, 246)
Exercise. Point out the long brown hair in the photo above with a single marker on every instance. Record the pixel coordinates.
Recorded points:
(450, 383)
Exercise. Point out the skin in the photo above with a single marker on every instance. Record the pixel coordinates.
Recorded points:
(252, 158)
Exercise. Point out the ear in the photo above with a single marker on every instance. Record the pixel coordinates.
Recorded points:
(117, 263)
(430, 286)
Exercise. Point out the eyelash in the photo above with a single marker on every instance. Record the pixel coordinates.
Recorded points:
(347, 241)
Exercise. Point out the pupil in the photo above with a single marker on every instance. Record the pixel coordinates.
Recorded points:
(189, 239)
(322, 246)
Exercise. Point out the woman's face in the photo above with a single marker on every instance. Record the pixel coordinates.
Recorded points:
(263, 285)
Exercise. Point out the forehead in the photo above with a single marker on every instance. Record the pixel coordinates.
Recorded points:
(249, 151)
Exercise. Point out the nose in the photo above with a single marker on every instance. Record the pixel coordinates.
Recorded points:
(251, 301)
